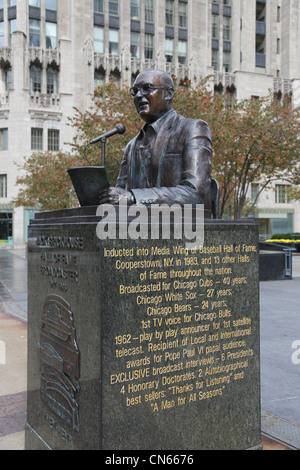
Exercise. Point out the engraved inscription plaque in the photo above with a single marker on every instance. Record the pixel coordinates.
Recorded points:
(181, 343)
(162, 340)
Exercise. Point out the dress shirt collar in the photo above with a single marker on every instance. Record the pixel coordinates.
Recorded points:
(157, 125)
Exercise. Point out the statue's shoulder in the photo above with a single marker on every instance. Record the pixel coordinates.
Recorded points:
(194, 126)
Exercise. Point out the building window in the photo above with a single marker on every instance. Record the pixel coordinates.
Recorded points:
(182, 52)
(98, 6)
(281, 196)
(35, 3)
(1, 34)
(215, 59)
(99, 39)
(12, 25)
(115, 76)
(135, 44)
(51, 35)
(51, 5)
(3, 139)
(135, 9)
(182, 15)
(169, 12)
(99, 78)
(226, 28)
(215, 27)
(34, 33)
(113, 6)
(3, 185)
(169, 49)
(113, 41)
(36, 139)
(53, 140)
(52, 81)
(35, 79)
(8, 78)
(149, 11)
(226, 61)
(278, 45)
(149, 46)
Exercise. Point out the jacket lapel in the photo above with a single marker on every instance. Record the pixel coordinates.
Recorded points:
(131, 162)
(161, 145)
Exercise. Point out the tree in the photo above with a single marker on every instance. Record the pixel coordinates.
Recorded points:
(254, 141)
(45, 183)
(111, 105)
(257, 141)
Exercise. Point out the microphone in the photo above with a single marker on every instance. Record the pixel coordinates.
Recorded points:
(119, 129)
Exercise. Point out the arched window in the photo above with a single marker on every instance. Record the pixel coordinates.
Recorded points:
(99, 77)
(52, 81)
(35, 79)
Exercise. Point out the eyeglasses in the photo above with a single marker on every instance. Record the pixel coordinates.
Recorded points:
(144, 89)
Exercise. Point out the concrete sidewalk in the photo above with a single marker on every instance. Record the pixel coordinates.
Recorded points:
(280, 328)
(13, 358)
(13, 282)
(13, 382)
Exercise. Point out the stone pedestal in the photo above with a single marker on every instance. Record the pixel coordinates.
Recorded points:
(141, 344)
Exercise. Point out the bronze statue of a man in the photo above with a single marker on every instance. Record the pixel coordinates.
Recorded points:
(169, 161)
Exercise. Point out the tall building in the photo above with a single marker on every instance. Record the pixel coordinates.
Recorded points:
(54, 52)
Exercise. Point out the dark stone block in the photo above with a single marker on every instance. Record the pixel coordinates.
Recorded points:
(271, 265)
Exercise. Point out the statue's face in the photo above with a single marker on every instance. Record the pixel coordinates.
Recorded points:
(151, 102)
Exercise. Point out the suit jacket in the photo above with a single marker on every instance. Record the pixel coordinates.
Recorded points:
(181, 159)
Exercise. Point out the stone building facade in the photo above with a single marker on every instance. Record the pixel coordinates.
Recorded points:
(54, 52)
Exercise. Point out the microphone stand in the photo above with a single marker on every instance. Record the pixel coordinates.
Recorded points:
(103, 142)
(84, 150)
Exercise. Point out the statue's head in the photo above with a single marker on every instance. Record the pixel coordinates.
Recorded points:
(152, 92)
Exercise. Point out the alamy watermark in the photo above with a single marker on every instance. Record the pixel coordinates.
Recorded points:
(153, 222)
(2, 353)
(296, 354)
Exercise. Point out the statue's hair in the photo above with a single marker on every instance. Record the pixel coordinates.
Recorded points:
(167, 78)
